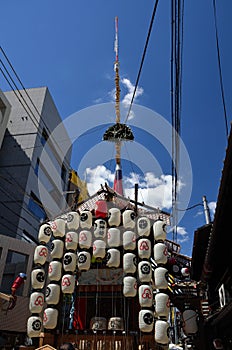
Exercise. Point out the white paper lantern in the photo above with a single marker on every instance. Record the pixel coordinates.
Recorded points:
(190, 322)
(68, 284)
(146, 321)
(113, 237)
(36, 302)
(85, 239)
(185, 271)
(162, 305)
(160, 253)
(100, 228)
(37, 278)
(161, 275)
(129, 263)
(116, 324)
(99, 249)
(144, 248)
(40, 254)
(161, 332)
(73, 221)
(86, 219)
(58, 228)
(57, 249)
(83, 261)
(159, 230)
(34, 326)
(129, 240)
(52, 295)
(54, 270)
(113, 258)
(145, 295)
(45, 233)
(145, 271)
(71, 240)
(98, 323)
(50, 318)
(129, 286)
(114, 217)
(128, 218)
(143, 226)
(69, 262)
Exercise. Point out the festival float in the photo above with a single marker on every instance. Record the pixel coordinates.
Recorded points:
(104, 271)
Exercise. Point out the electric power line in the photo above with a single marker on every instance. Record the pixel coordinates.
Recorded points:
(142, 60)
(220, 68)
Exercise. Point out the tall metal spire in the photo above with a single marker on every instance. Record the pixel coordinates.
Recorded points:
(118, 132)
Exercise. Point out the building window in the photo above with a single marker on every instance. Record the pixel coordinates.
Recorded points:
(15, 263)
(44, 136)
(63, 173)
(37, 167)
(36, 207)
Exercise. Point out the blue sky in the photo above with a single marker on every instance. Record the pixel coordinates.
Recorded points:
(68, 46)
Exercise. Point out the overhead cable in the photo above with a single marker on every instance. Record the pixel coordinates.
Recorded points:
(220, 68)
(142, 60)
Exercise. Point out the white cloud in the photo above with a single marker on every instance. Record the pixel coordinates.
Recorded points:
(130, 87)
(182, 234)
(212, 208)
(153, 191)
(128, 96)
(97, 177)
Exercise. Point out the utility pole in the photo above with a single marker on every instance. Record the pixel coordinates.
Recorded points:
(206, 210)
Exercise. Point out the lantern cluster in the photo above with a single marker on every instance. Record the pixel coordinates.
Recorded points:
(162, 302)
(37, 297)
(79, 239)
(144, 245)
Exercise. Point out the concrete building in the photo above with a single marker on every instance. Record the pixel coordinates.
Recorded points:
(4, 115)
(34, 176)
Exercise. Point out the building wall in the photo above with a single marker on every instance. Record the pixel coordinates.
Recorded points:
(4, 115)
(32, 165)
